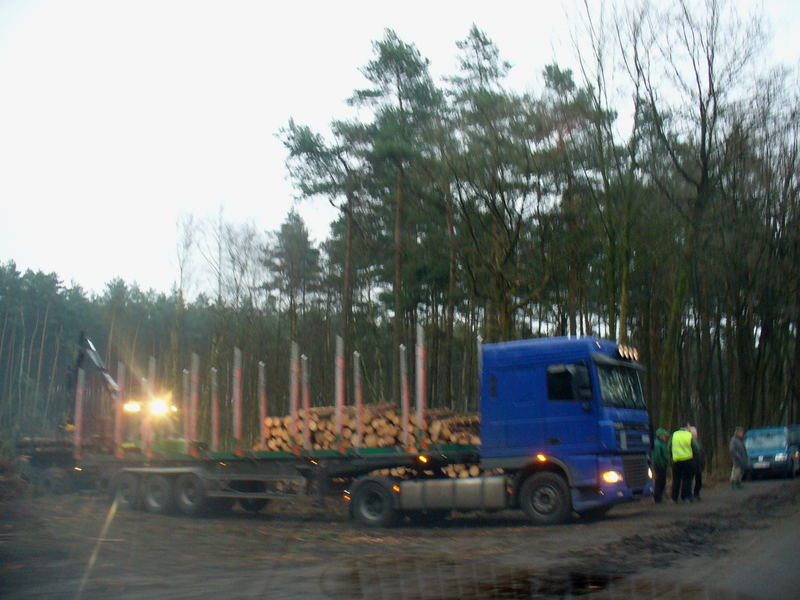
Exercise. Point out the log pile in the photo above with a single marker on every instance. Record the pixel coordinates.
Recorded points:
(382, 427)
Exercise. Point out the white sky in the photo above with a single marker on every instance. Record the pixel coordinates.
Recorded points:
(116, 117)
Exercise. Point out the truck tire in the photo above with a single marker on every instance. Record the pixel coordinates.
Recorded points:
(55, 481)
(252, 505)
(157, 495)
(372, 506)
(190, 495)
(544, 498)
(125, 487)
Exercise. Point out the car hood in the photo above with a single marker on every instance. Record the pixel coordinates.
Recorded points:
(766, 451)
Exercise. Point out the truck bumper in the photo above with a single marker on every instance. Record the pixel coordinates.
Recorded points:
(588, 498)
(635, 485)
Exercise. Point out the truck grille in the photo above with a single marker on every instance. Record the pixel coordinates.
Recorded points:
(635, 470)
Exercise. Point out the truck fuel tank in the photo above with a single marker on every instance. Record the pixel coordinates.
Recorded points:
(470, 493)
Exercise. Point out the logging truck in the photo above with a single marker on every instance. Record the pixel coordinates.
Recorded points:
(563, 423)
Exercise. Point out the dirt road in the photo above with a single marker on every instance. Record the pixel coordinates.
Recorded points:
(79, 547)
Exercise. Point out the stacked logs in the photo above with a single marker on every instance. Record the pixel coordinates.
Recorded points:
(382, 427)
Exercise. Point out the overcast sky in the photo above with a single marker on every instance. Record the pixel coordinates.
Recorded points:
(116, 117)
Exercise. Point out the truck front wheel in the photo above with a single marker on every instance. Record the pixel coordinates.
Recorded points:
(372, 506)
(544, 498)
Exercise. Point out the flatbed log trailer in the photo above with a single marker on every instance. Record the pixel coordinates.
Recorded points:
(562, 419)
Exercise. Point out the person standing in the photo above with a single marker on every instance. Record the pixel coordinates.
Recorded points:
(738, 458)
(682, 470)
(660, 464)
(698, 462)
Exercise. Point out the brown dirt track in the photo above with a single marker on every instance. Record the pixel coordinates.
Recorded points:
(297, 551)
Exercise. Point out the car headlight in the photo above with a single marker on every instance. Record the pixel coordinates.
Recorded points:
(781, 456)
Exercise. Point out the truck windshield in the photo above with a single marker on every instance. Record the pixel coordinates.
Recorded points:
(620, 387)
(764, 441)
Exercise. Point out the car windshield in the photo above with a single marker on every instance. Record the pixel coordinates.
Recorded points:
(763, 441)
(620, 387)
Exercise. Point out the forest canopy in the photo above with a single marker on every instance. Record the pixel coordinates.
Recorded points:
(649, 196)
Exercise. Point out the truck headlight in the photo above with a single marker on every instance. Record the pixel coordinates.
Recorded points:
(612, 477)
(649, 473)
(781, 456)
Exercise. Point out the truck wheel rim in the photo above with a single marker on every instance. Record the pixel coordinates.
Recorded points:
(373, 505)
(157, 494)
(545, 499)
(125, 491)
(190, 493)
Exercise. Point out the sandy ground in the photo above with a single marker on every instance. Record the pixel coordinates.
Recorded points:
(733, 544)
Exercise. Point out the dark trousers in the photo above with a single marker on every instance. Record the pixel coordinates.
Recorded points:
(682, 473)
(698, 482)
(659, 483)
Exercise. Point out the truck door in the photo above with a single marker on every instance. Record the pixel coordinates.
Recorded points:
(511, 412)
(571, 423)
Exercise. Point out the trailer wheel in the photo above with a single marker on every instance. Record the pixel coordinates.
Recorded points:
(544, 498)
(372, 506)
(55, 482)
(126, 490)
(252, 505)
(190, 495)
(157, 494)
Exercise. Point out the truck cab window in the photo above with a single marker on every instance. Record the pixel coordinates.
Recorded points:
(559, 383)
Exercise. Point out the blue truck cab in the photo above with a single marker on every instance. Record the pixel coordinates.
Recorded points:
(566, 415)
(773, 451)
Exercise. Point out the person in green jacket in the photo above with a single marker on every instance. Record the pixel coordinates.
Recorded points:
(660, 464)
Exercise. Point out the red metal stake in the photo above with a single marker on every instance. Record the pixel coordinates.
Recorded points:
(421, 389)
(194, 404)
(359, 399)
(118, 410)
(145, 422)
(237, 400)
(78, 431)
(339, 378)
(186, 410)
(306, 402)
(294, 393)
(406, 401)
(214, 411)
(262, 403)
